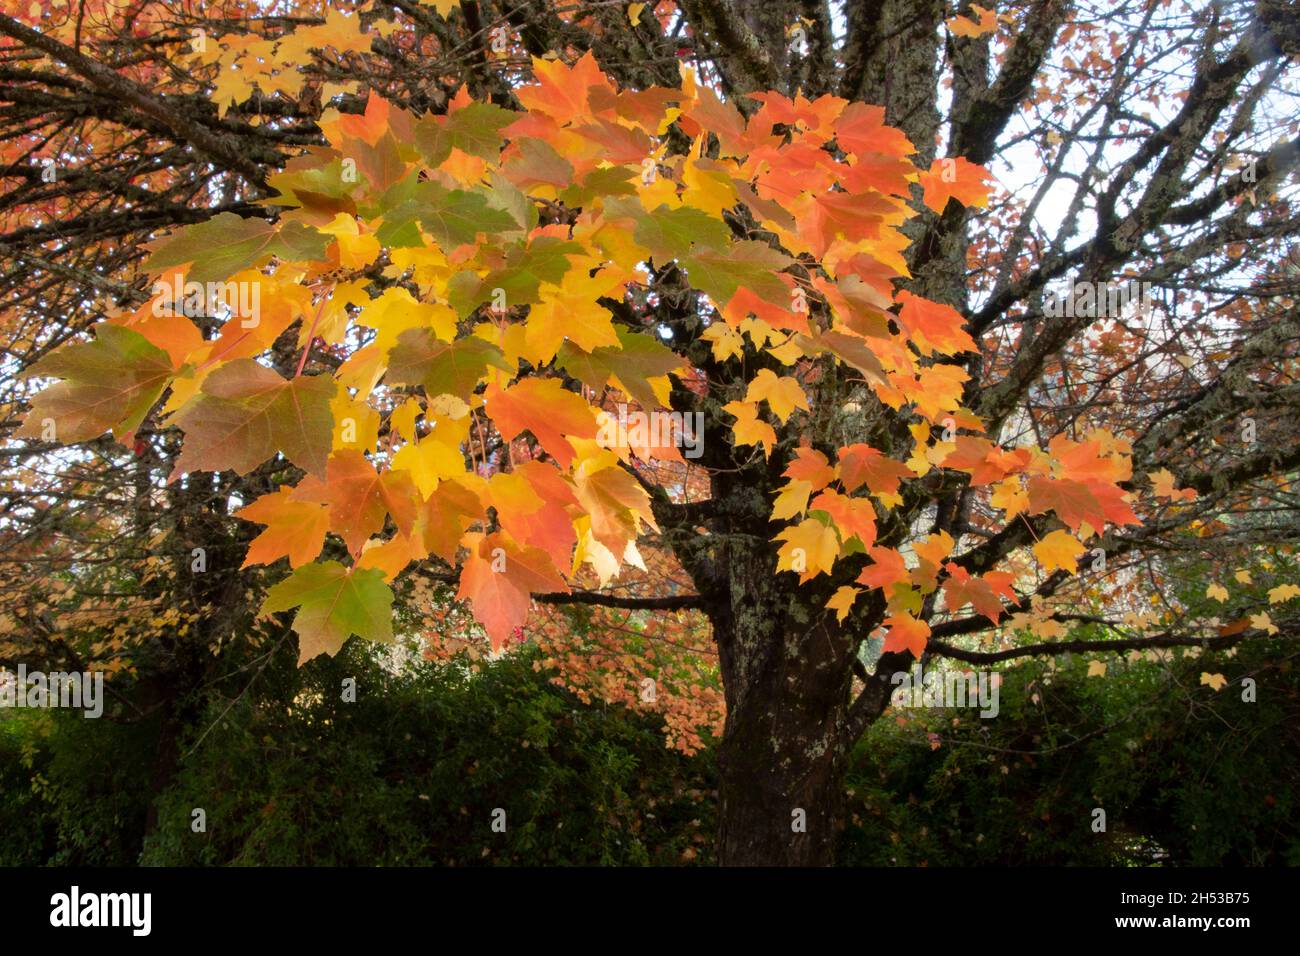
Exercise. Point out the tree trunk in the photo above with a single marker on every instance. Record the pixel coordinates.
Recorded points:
(786, 674)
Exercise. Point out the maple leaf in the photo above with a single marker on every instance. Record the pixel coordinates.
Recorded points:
(1162, 483)
(543, 407)
(455, 368)
(1059, 549)
(954, 178)
(563, 92)
(861, 129)
(360, 498)
(749, 429)
(987, 22)
(670, 233)
(637, 365)
(227, 243)
(1215, 682)
(856, 351)
(812, 466)
(571, 311)
(1218, 592)
(887, 570)
(453, 217)
(474, 129)
(1096, 668)
(333, 603)
(810, 549)
(499, 578)
(111, 382)
(1264, 623)
(429, 461)
(853, 517)
(446, 515)
(860, 464)
(613, 500)
(933, 326)
(295, 526)
(246, 413)
(791, 500)
(720, 273)
(783, 394)
(906, 633)
(1283, 592)
(984, 594)
(841, 601)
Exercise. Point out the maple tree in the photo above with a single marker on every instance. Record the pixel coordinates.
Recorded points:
(476, 242)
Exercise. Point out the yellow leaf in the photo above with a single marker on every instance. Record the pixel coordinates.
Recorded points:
(1218, 592)
(1263, 622)
(783, 395)
(727, 343)
(1096, 668)
(841, 601)
(749, 428)
(1243, 577)
(634, 12)
(1060, 549)
(1283, 592)
(793, 500)
(1216, 681)
(810, 549)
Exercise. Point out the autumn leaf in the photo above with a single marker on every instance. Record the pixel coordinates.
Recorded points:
(544, 407)
(933, 326)
(1215, 682)
(841, 601)
(296, 520)
(810, 549)
(333, 603)
(361, 498)
(1218, 592)
(226, 243)
(906, 633)
(783, 394)
(954, 178)
(499, 578)
(1162, 483)
(109, 383)
(1059, 550)
(752, 265)
(637, 365)
(246, 413)
(749, 429)
(1283, 592)
(985, 21)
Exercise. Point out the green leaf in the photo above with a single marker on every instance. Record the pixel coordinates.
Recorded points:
(227, 243)
(638, 358)
(246, 413)
(669, 233)
(111, 382)
(545, 259)
(474, 129)
(720, 272)
(421, 358)
(453, 217)
(334, 603)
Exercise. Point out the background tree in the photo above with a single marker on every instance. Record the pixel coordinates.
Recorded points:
(1144, 142)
